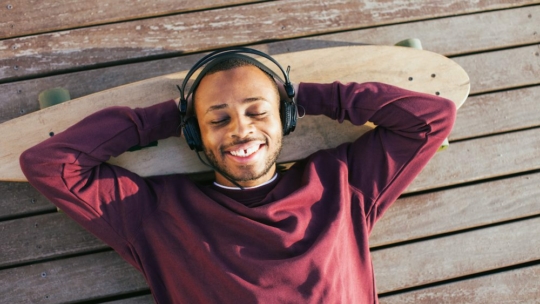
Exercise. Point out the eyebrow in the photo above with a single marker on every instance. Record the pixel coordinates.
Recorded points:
(225, 105)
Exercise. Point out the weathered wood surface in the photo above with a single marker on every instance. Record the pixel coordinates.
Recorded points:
(481, 158)
(449, 36)
(423, 71)
(42, 237)
(204, 30)
(86, 277)
(492, 71)
(497, 48)
(497, 113)
(458, 255)
(18, 199)
(20, 98)
(457, 209)
(509, 287)
(26, 17)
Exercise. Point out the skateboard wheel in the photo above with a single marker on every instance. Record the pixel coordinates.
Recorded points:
(414, 43)
(444, 145)
(53, 97)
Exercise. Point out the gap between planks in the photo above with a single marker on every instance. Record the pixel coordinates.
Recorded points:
(514, 286)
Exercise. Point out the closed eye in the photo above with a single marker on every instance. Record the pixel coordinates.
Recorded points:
(219, 122)
(256, 114)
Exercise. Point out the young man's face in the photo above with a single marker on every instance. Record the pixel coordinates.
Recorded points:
(238, 115)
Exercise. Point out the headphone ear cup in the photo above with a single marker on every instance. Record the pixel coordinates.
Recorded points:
(193, 134)
(288, 115)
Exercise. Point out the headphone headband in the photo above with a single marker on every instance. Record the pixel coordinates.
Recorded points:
(230, 51)
(224, 57)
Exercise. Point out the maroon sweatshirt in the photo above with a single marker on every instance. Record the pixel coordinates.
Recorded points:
(301, 239)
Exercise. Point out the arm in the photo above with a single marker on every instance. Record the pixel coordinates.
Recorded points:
(383, 162)
(70, 170)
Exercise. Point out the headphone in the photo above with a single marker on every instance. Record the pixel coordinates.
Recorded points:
(190, 127)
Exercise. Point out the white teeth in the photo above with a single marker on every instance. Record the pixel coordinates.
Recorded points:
(245, 153)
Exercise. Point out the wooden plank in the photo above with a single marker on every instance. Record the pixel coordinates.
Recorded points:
(33, 17)
(449, 36)
(497, 71)
(17, 199)
(490, 71)
(87, 278)
(205, 30)
(20, 98)
(458, 209)
(498, 112)
(445, 36)
(515, 286)
(44, 237)
(481, 158)
(455, 256)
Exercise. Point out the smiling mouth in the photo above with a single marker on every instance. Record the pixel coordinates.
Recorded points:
(245, 152)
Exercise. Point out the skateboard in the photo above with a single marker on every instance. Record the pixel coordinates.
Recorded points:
(407, 67)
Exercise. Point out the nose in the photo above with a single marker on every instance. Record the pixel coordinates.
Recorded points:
(241, 126)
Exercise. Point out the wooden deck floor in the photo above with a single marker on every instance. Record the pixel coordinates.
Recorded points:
(466, 231)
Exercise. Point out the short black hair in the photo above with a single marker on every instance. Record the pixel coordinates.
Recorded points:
(232, 63)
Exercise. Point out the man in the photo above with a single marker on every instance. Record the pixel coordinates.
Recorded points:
(256, 235)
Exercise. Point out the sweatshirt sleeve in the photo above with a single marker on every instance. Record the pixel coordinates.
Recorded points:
(382, 163)
(70, 169)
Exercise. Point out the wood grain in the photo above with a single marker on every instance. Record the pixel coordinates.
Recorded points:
(509, 287)
(87, 278)
(205, 30)
(448, 36)
(17, 199)
(481, 158)
(457, 209)
(503, 69)
(26, 17)
(20, 98)
(457, 255)
(497, 113)
(43, 237)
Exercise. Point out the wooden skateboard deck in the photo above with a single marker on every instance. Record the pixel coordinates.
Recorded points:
(408, 68)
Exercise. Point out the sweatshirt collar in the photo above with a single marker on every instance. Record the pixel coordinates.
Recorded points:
(247, 188)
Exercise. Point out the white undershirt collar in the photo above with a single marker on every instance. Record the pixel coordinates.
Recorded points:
(247, 188)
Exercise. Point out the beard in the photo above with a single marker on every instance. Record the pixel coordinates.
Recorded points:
(247, 172)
